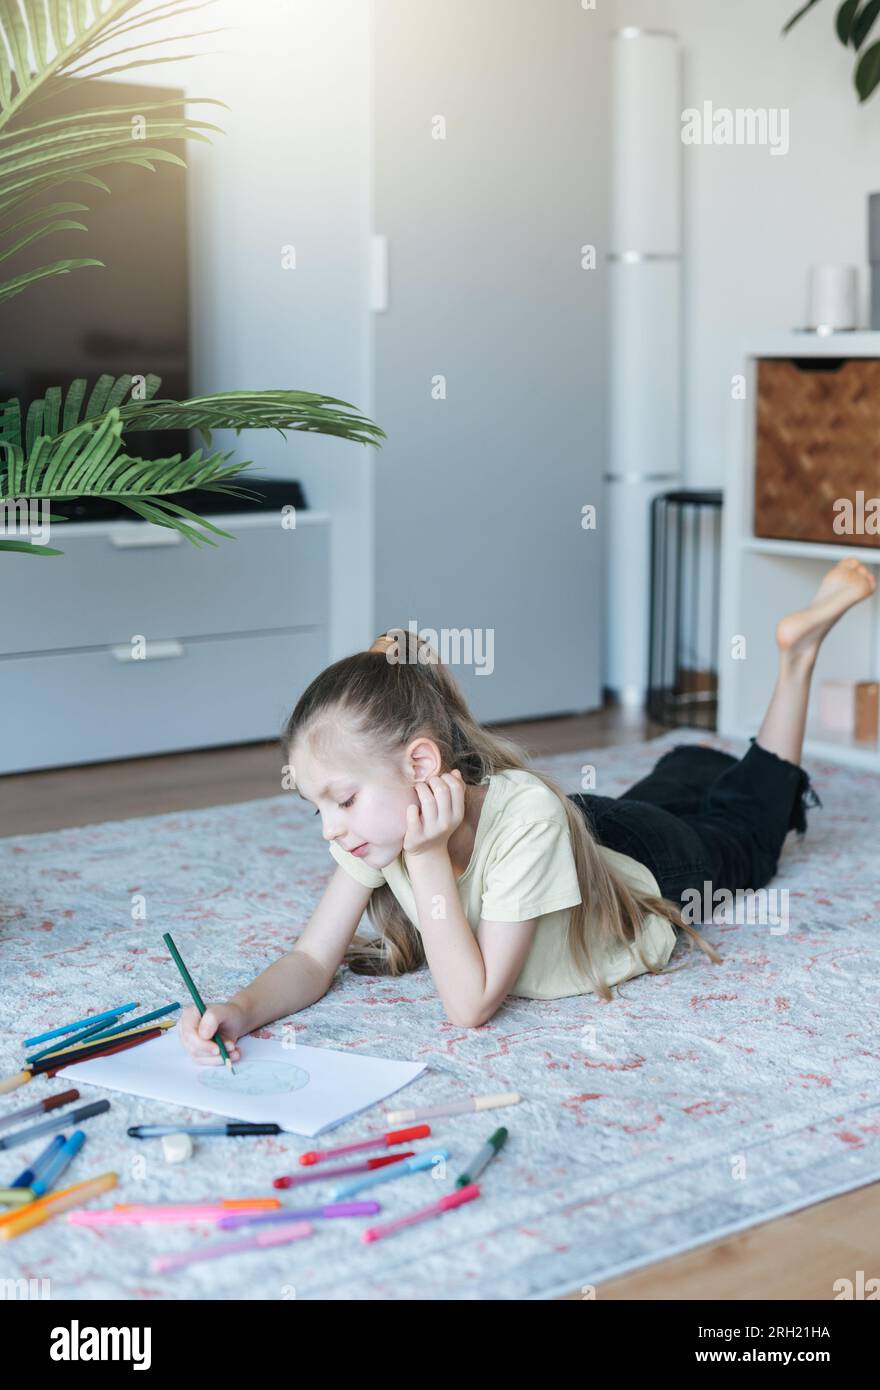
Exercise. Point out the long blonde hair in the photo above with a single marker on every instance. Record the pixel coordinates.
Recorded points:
(382, 704)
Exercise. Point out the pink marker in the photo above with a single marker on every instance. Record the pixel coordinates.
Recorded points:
(447, 1203)
(394, 1136)
(295, 1179)
(143, 1216)
(280, 1235)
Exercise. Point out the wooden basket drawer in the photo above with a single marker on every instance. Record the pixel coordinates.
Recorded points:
(817, 449)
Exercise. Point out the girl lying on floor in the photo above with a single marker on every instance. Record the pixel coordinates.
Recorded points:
(470, 861)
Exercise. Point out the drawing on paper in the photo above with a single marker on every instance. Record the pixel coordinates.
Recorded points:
(256, 1078)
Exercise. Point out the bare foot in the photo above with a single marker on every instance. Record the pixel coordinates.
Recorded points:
(847, 583)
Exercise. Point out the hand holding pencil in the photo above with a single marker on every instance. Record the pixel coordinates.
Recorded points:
(198, 1030)
(196, 997)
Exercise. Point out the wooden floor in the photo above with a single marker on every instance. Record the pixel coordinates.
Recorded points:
(797, 1257)
(34, 801)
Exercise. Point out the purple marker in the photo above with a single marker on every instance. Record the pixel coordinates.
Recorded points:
(232, 1223)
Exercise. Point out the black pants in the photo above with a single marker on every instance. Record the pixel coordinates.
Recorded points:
(703, 815)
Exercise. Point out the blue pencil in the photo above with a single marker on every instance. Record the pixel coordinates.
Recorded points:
(71, 1042)
(80, 1023)
(105, 1031)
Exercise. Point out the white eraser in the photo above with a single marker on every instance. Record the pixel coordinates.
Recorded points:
(176, 1147)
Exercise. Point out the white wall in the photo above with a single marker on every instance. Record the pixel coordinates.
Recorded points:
(755, 222)
(481, 487)
(292, 169)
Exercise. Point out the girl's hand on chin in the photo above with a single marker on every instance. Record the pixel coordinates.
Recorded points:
(440, 811)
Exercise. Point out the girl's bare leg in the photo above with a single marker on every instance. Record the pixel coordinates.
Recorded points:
(799, 637)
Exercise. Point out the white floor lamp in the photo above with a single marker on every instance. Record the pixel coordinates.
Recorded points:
(644, 269)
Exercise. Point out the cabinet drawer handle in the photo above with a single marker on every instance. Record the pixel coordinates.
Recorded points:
(153, 651)
(817, 364)
(142, 534)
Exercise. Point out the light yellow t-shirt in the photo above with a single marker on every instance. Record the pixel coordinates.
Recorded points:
(522, 867)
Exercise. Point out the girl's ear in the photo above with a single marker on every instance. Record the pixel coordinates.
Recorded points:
(421, 758)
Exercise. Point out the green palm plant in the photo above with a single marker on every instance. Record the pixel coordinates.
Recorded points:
(853, 22)
(64, 445)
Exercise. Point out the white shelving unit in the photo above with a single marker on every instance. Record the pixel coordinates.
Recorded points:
(763, 579)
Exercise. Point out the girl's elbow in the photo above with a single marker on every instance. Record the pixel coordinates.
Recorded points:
(476, 1019)
(468, 1022)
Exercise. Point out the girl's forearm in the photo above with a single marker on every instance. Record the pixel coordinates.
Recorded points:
(289, 984)
(451, 949)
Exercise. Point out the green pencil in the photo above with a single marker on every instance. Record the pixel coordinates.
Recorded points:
(196, 997)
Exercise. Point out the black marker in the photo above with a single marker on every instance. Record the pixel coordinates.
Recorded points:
(233, 1127)
(84, 1112)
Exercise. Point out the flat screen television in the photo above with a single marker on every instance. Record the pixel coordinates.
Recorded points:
(132, 314)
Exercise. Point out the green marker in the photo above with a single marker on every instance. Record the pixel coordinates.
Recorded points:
(481, 1158)
(196, 997)
(16, 1196)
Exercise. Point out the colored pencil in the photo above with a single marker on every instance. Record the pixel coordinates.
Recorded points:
(58, 1061)
(79, 1023)
(96, 1042)
(196, 997)
(70, 1042)
(103, 1031)
(11, 1083)
(52, 1065)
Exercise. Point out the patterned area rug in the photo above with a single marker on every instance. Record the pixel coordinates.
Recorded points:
(693, 1105)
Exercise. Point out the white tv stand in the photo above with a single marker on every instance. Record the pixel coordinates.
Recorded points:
(763, 579)
(232, 635)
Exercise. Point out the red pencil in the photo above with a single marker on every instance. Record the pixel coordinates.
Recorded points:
(55, 1064)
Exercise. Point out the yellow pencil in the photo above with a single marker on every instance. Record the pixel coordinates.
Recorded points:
(12, 1083)
(129, 1032)
(21, 1078)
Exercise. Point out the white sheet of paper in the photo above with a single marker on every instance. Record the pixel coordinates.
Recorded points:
(303, 1089)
